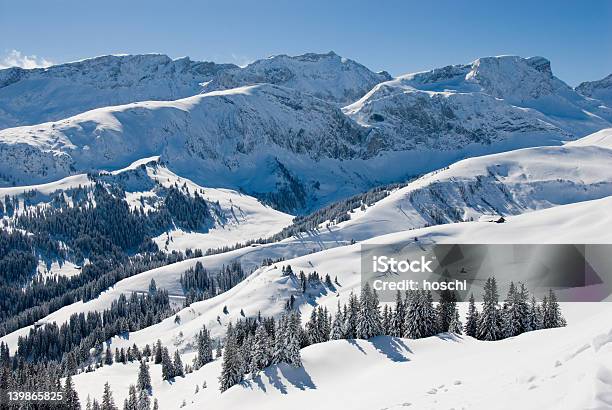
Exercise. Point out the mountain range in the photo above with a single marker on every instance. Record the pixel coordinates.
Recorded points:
(261, 128)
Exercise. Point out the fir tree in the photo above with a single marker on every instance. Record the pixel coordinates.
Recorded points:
(158, 352)
(108, 403)
(155, 405)
(71, 398)
(132, 400)
(397, 325)
(552, 314)
(108, 357)
(471, 323)
(204, 344)
(490, 321)
(336, 332)
(455, 325)
(446, 310)
(144, 403)
(144, 377)
(350, 317)
(421, 318)
(293, 342)
(167, 365)
(231, 373)
(368, 319)
(261, 357)
(535, 315)
(178, 365)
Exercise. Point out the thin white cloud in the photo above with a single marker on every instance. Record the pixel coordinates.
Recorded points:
(15, 58)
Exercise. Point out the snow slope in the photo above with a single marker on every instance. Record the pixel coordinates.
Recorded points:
(601, 138)
(260, 139)
(242, 217)
(327, 76)
(266, 290)
(509, 183)
(562, 369)
(32, 96)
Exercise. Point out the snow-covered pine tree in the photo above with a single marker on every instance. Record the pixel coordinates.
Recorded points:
(245, 351)
(231, 373)
(177, 365)
(132, 400)
(446, 309)
(71, 398)
(261, 356)
(204, 344)
(293, 340)
(399, 313)
(144, 377)
(167, 365)
(108, 357)
(421, 319)
(386, 320)
(280, 341)
(471, 322)
(144, 403)
(336, 332)
(552, 316)
(490, 321)
(108, 403)
(535, 315)
(368, 318)
(312, 328)
(323, 323)
(455, 326)
(158, 352)
(350, 317)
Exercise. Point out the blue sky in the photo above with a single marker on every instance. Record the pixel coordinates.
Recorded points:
(397, 36)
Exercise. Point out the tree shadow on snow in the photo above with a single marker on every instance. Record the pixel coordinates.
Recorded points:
(394, 348)
(298, 377)
(449, 337)
(355, 344)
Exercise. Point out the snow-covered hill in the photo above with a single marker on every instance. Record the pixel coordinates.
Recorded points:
(600, 89)
(32, 96)
(463, 101)
(143, 185)
(327, 76)
(517, 182)
(261, 139)
(555, 359)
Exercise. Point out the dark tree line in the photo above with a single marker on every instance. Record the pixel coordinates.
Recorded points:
(198, 284)
(97, 225)
(44, 296)
(72, 342)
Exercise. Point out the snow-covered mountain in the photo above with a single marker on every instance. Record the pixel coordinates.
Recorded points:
(465, 100)
(600, 89)
(32, 96)
(565, 189)
(327, 76)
